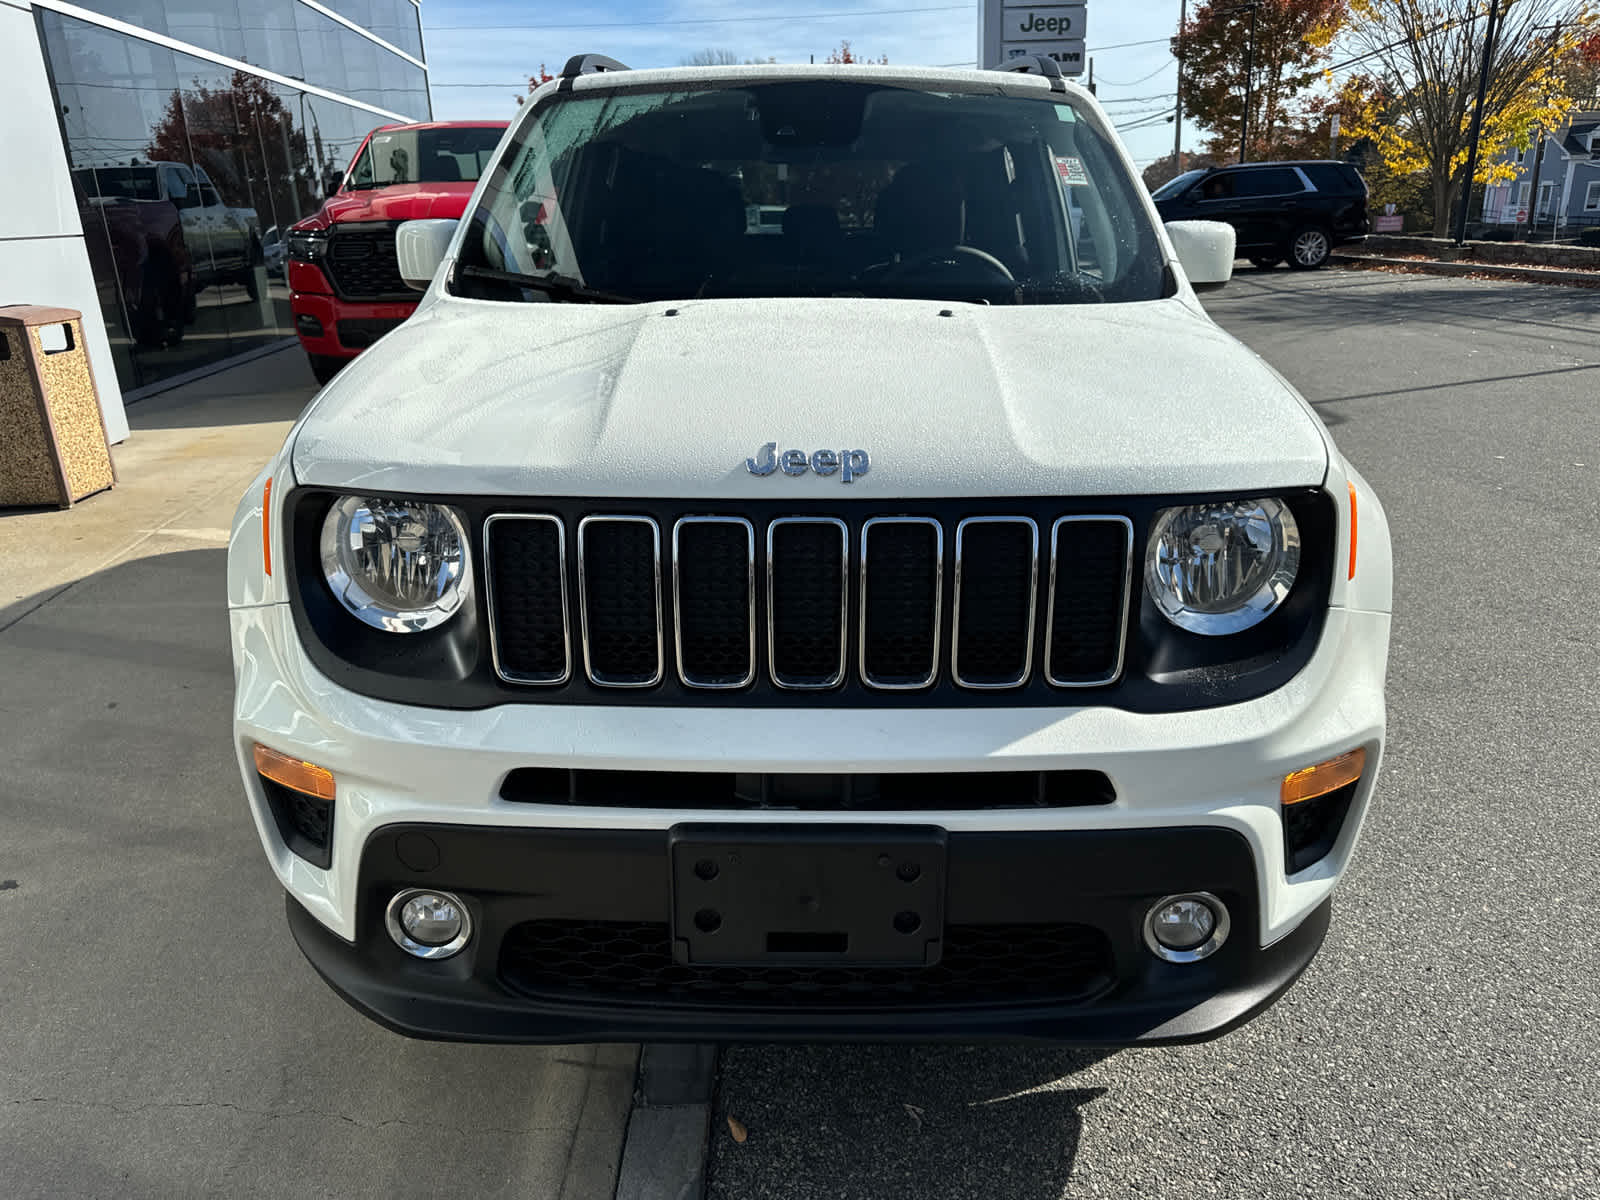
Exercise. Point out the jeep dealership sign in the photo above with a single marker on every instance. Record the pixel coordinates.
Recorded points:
(1012, 29)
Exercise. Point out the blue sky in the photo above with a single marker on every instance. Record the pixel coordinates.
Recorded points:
(489, 45)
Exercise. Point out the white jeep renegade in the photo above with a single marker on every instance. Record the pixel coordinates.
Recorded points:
(916, 621)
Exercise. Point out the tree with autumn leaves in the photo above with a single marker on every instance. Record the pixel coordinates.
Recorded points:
(1288, 50)
(1413, 100)
(1402, 77)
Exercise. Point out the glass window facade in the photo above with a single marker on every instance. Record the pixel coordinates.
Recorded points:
(187, 172)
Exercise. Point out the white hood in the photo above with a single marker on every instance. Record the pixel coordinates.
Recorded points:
(475, 397)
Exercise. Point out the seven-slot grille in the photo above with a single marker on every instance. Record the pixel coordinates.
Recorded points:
(361, 263)
(719, 600)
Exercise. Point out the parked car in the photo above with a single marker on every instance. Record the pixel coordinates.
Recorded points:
(135, 238)
(274, 252)
(345, 287)
(1297, 211)
(949, 632)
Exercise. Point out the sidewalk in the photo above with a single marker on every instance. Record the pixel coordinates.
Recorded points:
(163, 1036)
(189, 458)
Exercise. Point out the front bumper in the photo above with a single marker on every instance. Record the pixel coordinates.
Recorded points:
(1077, 899)
(343, 328)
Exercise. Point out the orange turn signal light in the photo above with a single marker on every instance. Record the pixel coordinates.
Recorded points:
(306, 778)
(1352, 531)
(266, 528)
(1324, 777)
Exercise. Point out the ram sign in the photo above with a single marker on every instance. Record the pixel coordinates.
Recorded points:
(1013, 29)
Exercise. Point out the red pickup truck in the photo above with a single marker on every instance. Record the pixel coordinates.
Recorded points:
(346, 290)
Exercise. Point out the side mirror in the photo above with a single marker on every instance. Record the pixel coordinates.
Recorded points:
(420, 247)
(1205, 251)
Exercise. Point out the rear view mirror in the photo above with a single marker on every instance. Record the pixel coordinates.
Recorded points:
(1205, 251)
(420, 247)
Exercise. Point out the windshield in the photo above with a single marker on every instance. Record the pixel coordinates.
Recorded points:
(1173, 186)
(121, 183)
(394, 156)
(810, 189)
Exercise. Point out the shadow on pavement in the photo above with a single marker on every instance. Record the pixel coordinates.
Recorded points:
(865, 1122)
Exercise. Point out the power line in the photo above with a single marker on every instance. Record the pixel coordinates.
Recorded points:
(1166, 66)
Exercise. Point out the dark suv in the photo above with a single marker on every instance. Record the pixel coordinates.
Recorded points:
(1290, 210)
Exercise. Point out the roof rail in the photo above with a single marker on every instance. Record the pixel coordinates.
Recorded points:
(1044, 65)
(584, 64)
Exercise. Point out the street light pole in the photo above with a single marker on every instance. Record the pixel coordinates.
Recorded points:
(1477, 123)
(1249, 77)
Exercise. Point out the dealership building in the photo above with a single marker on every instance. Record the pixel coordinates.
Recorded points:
(158, 150)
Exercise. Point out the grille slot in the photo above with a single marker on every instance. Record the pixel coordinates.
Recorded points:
(362, 264)
(902, 579)
(997, 581)
(1091, 568)
(714, 601)
(929, 791)
(528, 619)
(619, 577)
(630, 962)
(806, 601)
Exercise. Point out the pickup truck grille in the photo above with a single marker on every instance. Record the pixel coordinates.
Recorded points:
(362, 265)
(806, 603)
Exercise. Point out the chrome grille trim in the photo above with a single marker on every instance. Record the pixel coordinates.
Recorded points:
(844, 604)
(1122, 612)
(1033, 605)
(677, 606)
(494, 621)
(583, 601)
(938, 603)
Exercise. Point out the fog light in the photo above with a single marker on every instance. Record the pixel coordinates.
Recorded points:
(428, 924)
(1187, 928)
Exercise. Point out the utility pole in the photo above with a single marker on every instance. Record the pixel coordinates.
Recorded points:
(1477, 123)
(1249, 78)
(1177, 124)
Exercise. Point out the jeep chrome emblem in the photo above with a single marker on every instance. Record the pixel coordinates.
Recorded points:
(847, 464)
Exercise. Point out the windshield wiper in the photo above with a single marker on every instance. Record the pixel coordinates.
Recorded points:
(561, 287)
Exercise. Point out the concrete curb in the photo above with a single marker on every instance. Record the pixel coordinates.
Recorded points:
(664, 1154)
(1427, 267)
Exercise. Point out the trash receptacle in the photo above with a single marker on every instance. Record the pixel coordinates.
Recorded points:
(53, 447)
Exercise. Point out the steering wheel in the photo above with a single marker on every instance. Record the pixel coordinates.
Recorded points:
(978, 266)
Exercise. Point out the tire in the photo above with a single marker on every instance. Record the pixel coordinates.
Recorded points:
(1265, 263)
(326, 366)
(1309, 247)
(252, 285)
(158, 321)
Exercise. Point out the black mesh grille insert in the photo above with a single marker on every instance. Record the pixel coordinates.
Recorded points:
(715, 564)
(996, 561)
(631, 963)
(900, 640)
(621, 601)
(304, 822)
(527, 587)
(807, 563)
(1311, 827)
(911, 791)
(1086, 618)
(362, 265)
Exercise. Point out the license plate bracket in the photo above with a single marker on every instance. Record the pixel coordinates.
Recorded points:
(807, 895)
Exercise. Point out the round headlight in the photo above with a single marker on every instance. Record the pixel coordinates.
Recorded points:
(398, 565)
(1220, 568)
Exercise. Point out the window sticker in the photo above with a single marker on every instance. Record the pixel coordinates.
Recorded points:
(1072, 172)
(1065, 113)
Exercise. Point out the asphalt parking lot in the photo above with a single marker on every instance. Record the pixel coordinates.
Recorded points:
(160, 1035)
(1446, 1043)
